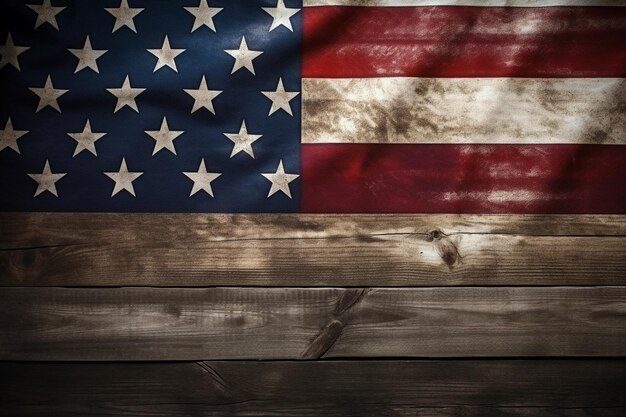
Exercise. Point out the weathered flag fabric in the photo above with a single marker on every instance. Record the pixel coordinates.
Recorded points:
(382, 106)
(151, 106)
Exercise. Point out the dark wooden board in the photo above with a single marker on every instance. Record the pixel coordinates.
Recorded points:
(329, 388)
(56, 249)
(309, 323)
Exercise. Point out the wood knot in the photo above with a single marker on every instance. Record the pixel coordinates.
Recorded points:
(329, 334)
(348, 299)
(445, 247)
(324, 340)
(448, 252)
(435, 234)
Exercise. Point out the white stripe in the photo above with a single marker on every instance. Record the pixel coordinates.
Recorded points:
(464, 110)
(477, 3)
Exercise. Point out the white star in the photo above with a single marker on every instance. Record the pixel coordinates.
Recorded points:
(204, 15)
(202, 179)
(243, 56)
(166, 55)
(10, 52)
(46, 181)
(203, 97)
(48, 95)
(164, 137)
(281, 15)
(124, 15)
(280, 180)
(46, 13)
(123, 179)
(280, 98)
(126, 95)
(87, 56)
(9, 136)
(86, 140)
(242, 140)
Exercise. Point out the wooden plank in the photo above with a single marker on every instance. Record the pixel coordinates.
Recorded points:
(337, 388)
(457, 111)
(48, 249)
(291, 323)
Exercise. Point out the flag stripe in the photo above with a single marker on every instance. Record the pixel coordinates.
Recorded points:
(371, 178)
(469, 110)
(474, 3)
(464, 42)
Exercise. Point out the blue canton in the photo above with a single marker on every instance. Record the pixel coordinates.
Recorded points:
(150, 105)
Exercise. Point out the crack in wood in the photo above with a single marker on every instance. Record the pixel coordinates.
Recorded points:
(214, 374)
(428, 236)
(38, 247)
(232, 395)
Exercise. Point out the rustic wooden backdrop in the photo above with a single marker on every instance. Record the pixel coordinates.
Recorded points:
(304, 315)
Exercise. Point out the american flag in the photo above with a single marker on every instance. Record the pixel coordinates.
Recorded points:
(498, 106)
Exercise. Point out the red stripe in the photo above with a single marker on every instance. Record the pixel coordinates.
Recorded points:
(350, 178)
(464, 42)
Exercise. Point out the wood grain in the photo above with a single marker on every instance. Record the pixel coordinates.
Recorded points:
(293, 323)
(337, 388)
(52, 249)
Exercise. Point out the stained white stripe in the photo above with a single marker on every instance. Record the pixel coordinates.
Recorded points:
(477, 3)
(464, 110)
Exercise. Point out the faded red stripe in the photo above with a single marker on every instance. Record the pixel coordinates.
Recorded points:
(464, 42)
(350, 178)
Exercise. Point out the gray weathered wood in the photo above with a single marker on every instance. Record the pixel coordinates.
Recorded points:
(292, 323)
(50, 249)
(338, 388)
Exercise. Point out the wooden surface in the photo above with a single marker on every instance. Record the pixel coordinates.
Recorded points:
(310, 250)
(396, 315)
(343, 311)
(333, 388)
(296, 323)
